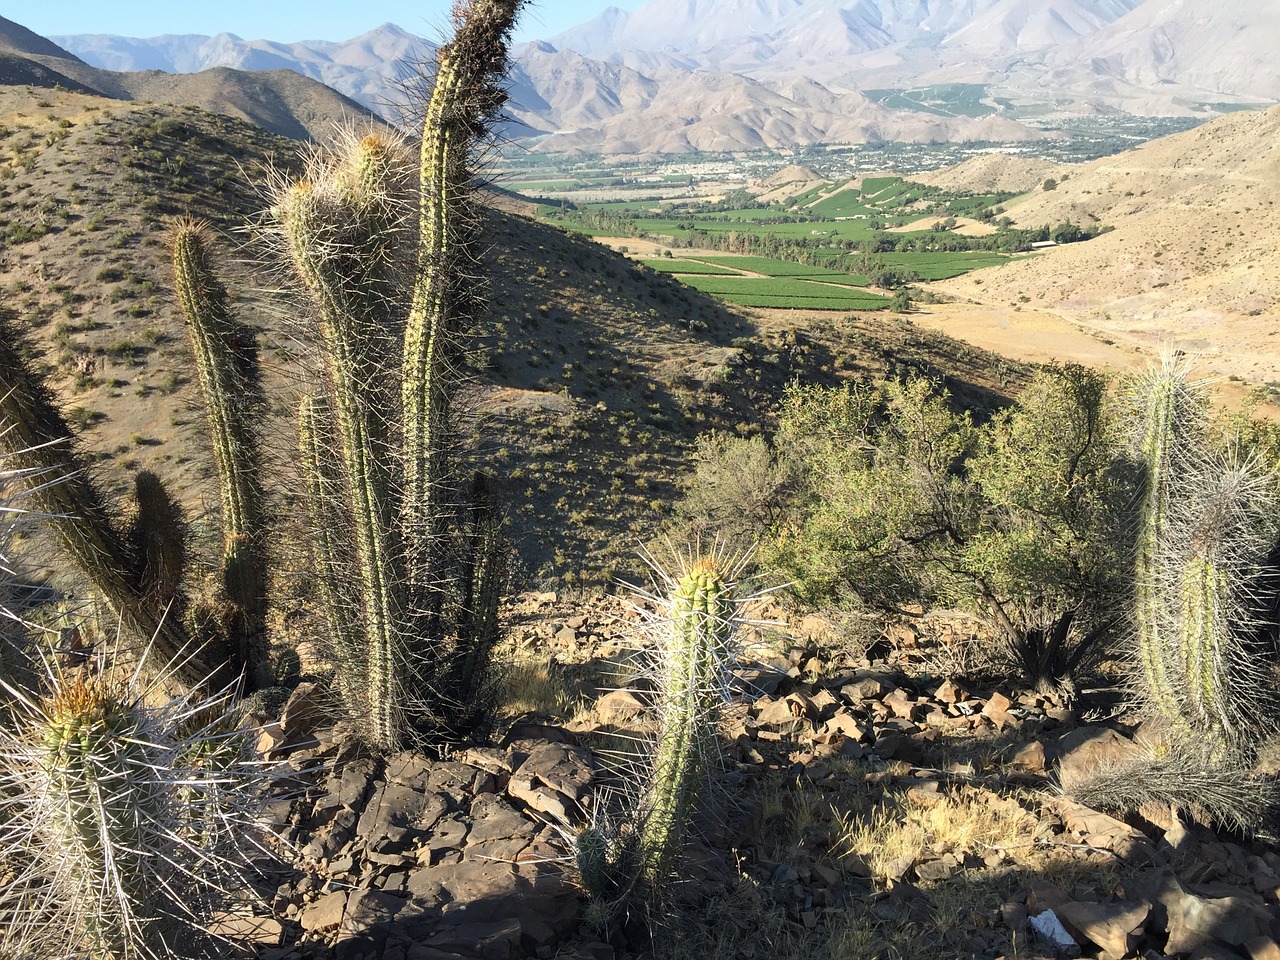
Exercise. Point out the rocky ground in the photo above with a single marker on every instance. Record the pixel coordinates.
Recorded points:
(875, 803)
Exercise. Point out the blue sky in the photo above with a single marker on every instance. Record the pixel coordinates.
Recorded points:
(284, 20)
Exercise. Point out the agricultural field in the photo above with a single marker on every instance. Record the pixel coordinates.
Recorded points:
(680, 266)
(787, 293)
(833, 232)
(944, 266)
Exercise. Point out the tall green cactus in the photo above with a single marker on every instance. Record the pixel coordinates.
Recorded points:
(226, 359)
(425, 565)
(465, 97)
(1171, 424)
(119, 847)
(1205, 525)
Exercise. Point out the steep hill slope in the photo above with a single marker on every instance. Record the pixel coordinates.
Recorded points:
(366, 68)
(1193, 257)
(992, 172)
(592, 374)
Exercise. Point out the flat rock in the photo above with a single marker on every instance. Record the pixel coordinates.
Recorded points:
(553, 780)
(1114, 927)
(395, 814)
(1084, 752)
(326, 913)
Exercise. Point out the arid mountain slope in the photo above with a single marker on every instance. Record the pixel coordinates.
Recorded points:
(592, 374)
(599, 107)
(1195, 251)
(993, 172)
(279, 100)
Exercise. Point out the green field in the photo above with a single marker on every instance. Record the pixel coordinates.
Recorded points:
(774, 268)
(846, 229)
(787, 293)
(689, 266)
(943, 266)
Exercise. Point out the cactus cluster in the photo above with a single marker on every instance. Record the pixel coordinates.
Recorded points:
(406, 547)
(118, 838)
(396, 526)
(1205, 526)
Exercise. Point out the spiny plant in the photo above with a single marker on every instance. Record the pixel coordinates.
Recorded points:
(424, 558)
(226, 359)
(693, 644)
(120, 838)
(1205, 527)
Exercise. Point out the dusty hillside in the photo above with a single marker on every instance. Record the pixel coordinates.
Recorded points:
(993, 172)
(592, 374)
(1193, 256)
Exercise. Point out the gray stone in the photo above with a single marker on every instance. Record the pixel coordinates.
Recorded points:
(396, 814)
(553, 780)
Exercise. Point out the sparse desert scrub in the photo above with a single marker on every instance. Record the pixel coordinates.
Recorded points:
(887, 496)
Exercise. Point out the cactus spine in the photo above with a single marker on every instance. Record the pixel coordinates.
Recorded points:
(226, 359)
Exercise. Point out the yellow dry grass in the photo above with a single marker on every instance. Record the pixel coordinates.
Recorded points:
(921, 826)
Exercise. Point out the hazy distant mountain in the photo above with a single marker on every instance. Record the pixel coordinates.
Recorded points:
(278, 100)
(366, 68)
(593, 106)
(738, 74)
(865, 42)
(1222, 46)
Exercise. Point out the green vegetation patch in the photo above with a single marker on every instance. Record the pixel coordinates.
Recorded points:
(775, 268)
(787, 293)
(689, 266)
(939, 99)
(945, 265)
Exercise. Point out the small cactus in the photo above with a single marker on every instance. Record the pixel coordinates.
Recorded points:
(118, 839)
(692, 645)
(693, 667)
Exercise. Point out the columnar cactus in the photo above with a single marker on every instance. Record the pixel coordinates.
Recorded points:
(1205, 525)
(226, 359)
(426, 566)
(693, 665)
(1171, 427)
(117, 845)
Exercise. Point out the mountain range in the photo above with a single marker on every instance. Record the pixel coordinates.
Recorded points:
(677, 75)
(280, 100)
